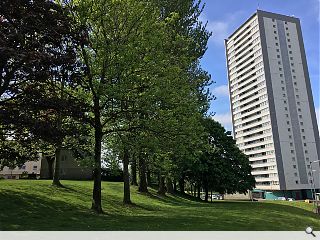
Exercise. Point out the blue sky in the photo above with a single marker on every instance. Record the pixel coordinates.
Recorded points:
(225, 16)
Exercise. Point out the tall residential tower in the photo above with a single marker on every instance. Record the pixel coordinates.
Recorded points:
(273, 114)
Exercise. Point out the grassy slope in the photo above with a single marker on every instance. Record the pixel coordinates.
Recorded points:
(36, 205)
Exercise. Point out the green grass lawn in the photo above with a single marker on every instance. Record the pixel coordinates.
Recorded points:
(36, 205)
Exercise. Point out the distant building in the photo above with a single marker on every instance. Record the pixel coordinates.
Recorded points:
(29, 169)
(273, 113)
(70, 169)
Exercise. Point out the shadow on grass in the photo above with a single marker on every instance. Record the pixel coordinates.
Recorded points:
(26, 211)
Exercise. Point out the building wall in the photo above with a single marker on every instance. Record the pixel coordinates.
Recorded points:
(293, 111)
(271, 102)
(70, 168)
(237, 196)
(249, 102)
(32, 167)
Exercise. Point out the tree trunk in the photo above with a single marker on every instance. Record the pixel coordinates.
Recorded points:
(142, 174)
(50, 161)
(96, 193)
(56, 174)
(211, 195)
(174, 186)
(181, 185)
(198, 191)
(134, 172)
(161, 190)
(148, 178)
(57, 167)
(169, 185)
(191, 189)
(126, 178)
(206, 197)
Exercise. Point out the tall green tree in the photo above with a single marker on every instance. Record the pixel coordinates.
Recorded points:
(122, 59)
(222, 167)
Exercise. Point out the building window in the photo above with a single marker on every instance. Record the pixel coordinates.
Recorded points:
(278, 56)
(291, 58)
(289, 46)
(280, 69)
(298, 103)
(285, 102)
(289, 129)
(275, 32)
(288, 34)
(272, 19)
(294, 166)
(297, 182)
(306, 151)
(292, 64)
(290, 137)
(294, 77)
(299, 109)
(303, 137)
(290, 52)
(281, 75)
(301, 123)
(23, 167)
(282, 88)
(304, 144)
(278, 50)
(277, 44)
(274, 26)
(293, 70)
(282, 82)
(287, 28)
(275, 38)
(286, 108)
(35, 167)
(292, 151)
(287, 115)
(279, 62)
(302, 130)
(291, 144)
(295, 83)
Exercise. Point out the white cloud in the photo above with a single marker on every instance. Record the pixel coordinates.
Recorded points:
(225, 119)
(221, 29)
(221, 91)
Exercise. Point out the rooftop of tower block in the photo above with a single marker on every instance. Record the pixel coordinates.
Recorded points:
(266, 14)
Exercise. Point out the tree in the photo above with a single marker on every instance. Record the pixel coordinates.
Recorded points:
(37, 48)
(121, 60)
(222, 167)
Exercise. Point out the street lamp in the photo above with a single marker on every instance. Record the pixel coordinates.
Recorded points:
(315, 202)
